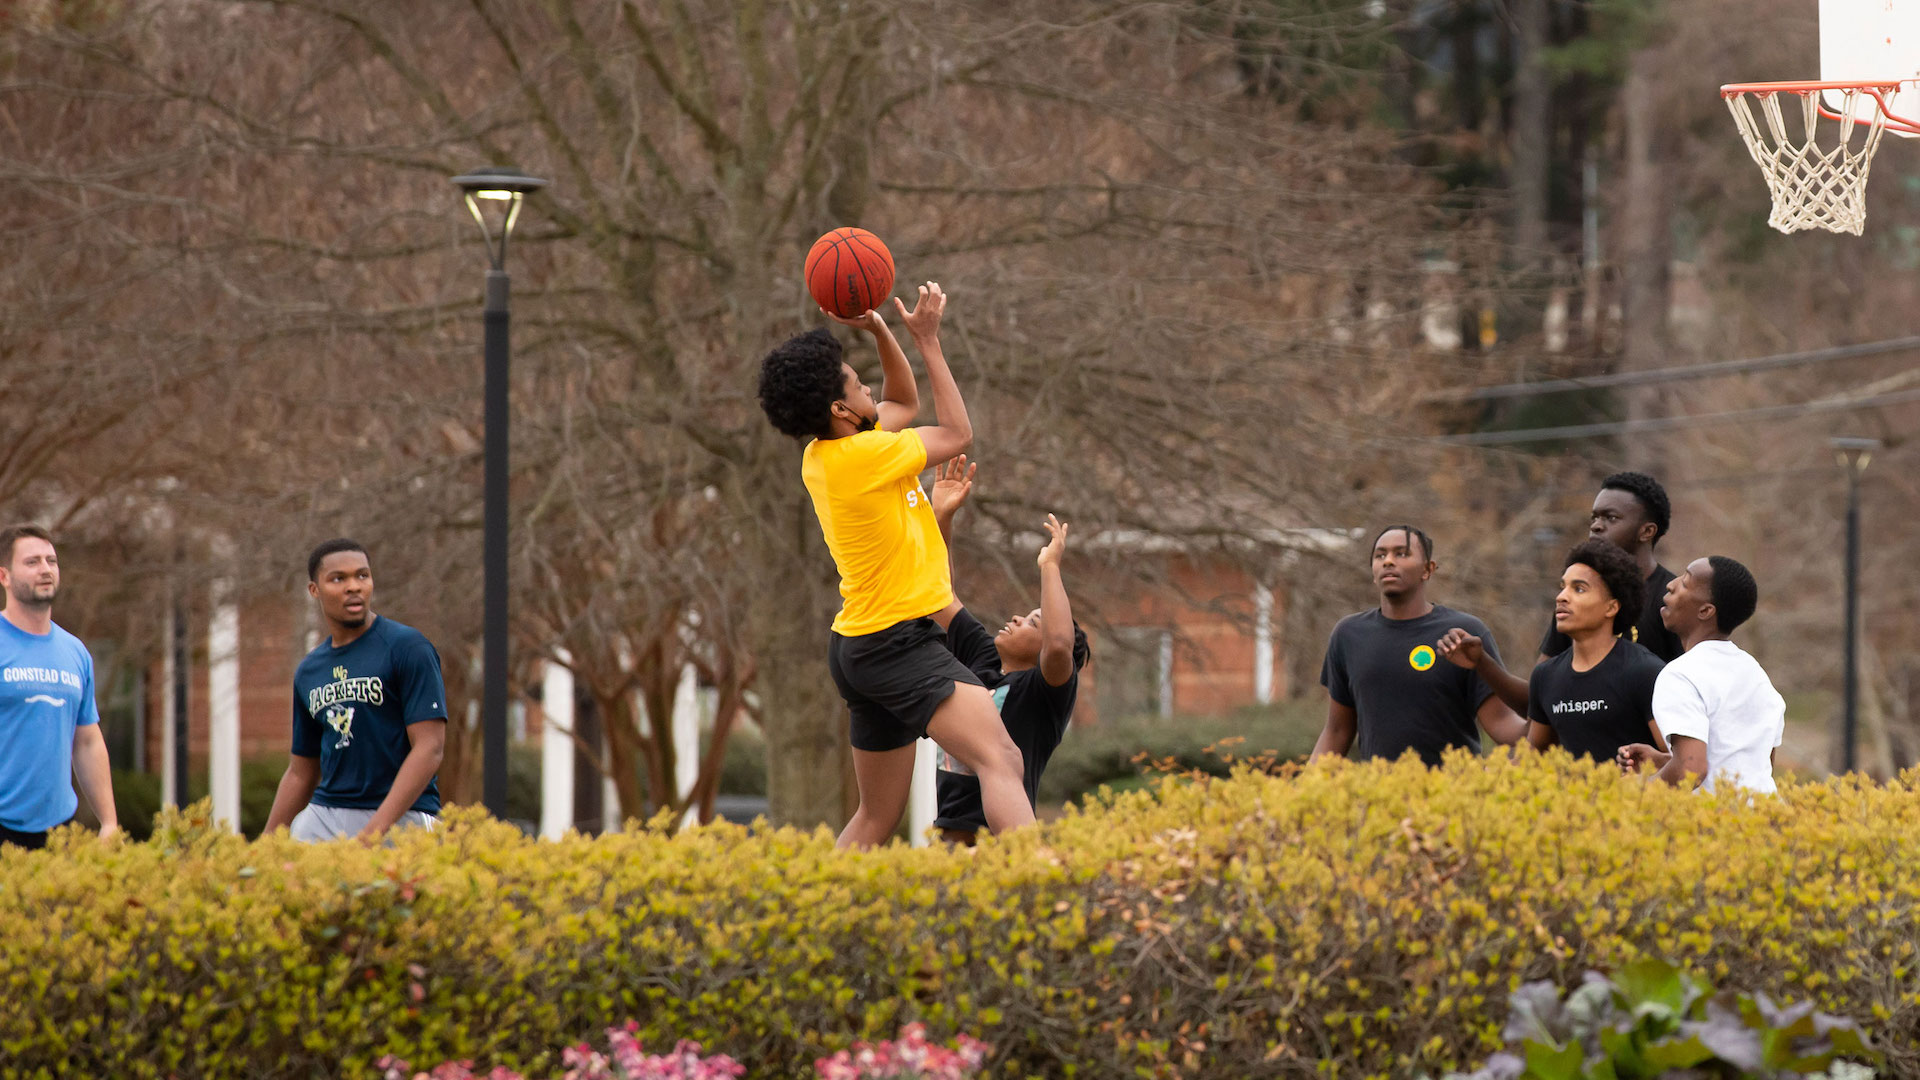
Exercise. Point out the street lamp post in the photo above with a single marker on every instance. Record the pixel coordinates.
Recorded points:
(508, 187)
(1853, 455)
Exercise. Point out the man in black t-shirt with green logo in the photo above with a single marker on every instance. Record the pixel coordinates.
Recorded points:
(1387, 689)
(1632, 512)
(1597, 696)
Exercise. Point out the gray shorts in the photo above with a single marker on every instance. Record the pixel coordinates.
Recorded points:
(317, 823)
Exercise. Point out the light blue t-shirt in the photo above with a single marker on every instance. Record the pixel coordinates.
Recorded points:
(46, 693)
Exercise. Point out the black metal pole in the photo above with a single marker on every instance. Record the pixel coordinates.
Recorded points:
(182, 674)
(1850, 708)
(493, 709)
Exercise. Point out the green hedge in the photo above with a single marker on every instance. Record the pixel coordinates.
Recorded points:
(1347, 920)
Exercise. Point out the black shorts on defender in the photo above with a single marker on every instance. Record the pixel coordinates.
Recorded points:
(893, 680)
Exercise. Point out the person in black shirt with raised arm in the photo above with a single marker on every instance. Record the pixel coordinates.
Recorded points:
(1031, 667)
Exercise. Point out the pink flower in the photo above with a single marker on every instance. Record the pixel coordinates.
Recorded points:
(625, 1059)
(909, 1057)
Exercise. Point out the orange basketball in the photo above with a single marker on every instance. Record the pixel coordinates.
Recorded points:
(849, 272)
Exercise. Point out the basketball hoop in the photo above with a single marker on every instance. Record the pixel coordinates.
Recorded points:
(1815, 188)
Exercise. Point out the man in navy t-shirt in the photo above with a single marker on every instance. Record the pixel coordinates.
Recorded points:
(49, 725)
(369, 714)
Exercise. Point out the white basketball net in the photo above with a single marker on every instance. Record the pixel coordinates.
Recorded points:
(1812, 188)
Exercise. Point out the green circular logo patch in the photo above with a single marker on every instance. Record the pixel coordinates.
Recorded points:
(1421, 658)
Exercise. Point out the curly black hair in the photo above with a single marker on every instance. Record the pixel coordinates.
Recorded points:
(799, 382)
(1648, 492)
(1620, 573)
(1735, 593)
(1082, 651)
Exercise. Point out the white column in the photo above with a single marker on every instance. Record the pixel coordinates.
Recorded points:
(686, 738)
(1262, 643)
(609, 792)
(1166, 674)
(223, 707)
(556, 751)
(921, 805)
(169, 773)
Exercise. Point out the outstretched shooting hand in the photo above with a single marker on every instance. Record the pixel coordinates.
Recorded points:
(871, 322)
(1462, 648)
(923, 322)
(952, 483)
(1056, 543)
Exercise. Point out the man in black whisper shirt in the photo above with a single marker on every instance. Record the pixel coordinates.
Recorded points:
(1632, 512)
(1385, 683)
(1597, 696)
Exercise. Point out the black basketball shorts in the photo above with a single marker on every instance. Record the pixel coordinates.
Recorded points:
(893, 680)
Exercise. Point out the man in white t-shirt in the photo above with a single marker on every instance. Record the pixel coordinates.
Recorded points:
(1714, 704)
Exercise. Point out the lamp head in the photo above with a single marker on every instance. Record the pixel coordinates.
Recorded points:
(497, 185)
(1853, 452)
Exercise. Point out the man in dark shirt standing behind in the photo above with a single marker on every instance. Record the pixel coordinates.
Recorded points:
(369, 715)
(1632, 512)
(1385, 682)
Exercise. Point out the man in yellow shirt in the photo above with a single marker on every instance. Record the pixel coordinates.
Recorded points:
(887, 655)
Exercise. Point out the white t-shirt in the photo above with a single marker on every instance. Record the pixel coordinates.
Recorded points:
(1718, 694)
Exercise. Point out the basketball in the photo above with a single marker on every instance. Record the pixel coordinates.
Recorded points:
(849, 272)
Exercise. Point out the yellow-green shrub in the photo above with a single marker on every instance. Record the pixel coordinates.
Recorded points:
(1347, 920)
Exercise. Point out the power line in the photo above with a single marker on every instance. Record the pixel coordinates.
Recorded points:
(1671, 423)
(1711, 370)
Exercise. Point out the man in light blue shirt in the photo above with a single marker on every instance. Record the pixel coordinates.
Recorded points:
(49, 725)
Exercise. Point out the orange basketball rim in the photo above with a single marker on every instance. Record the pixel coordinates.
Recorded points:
(1869, 86)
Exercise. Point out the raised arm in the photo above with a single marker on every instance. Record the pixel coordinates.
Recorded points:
(1056, 612)
(952, 431)
(1462, 649)
(952, 483)
(899, 394)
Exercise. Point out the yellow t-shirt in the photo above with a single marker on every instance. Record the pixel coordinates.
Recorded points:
(880, 528)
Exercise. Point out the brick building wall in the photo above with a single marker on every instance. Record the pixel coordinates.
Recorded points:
(1188, 644)
(273, 636)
